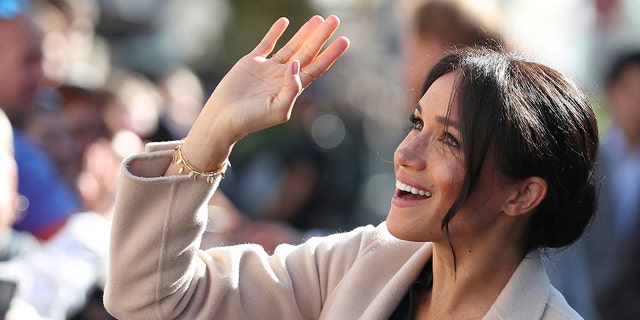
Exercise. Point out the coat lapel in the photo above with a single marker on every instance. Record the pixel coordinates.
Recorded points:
(375, 284)
(526, 294)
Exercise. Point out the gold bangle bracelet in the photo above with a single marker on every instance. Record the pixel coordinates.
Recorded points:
(184, 164)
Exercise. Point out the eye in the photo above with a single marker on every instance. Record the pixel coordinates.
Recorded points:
(416, 122)
(448, 139)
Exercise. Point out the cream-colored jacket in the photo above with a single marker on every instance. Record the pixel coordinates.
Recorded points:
(158, 272)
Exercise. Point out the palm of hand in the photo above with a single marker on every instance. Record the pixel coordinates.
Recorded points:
(249, 92)
(259, 92)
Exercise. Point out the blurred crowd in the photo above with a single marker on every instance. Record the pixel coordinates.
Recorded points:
(85, 83)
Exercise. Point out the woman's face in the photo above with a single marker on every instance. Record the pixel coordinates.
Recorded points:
(430, 163)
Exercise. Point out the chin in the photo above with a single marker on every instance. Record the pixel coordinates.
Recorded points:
(403, 230)
(413, 230)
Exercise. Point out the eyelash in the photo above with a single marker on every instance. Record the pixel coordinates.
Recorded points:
(416, 122)
(447, 138)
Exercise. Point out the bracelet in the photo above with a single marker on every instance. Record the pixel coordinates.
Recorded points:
(181, 160)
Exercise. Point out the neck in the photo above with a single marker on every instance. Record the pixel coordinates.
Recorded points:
(483, 268)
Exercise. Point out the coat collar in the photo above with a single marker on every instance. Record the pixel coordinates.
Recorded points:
(374, 285)
(526, 294)
(386, 267)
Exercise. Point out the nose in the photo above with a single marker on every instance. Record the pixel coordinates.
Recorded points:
(408, 154)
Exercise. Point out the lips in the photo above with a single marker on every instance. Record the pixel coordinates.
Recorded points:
(405, 190)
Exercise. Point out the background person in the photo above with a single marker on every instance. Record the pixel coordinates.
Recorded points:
(435, 27)
(50, 200)
(53, 279)
(599, 274)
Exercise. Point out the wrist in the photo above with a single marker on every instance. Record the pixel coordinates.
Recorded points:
(208, 146)
(205, 154)
(183, 165)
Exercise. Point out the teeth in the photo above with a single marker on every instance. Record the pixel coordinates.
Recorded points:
(413, 190)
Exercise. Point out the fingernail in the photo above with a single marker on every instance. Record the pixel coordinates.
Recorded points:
(296, 67)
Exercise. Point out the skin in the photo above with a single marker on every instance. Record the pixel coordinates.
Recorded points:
(624, 96)
(420, 54)
(487, 230)
(259, 92)
(8, 191)
(22, 59)
(255, 95)
(48, 129)
(8, 177)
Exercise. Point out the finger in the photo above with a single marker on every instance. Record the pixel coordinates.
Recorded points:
(292, 88)
(324, 61)
(268, 42)
(299, 39)
(317, 40)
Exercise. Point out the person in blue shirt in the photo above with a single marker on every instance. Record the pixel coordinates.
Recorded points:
(50, 200)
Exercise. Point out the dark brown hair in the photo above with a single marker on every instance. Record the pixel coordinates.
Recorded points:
(535, 122)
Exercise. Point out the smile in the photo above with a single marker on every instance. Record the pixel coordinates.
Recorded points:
(405, 189)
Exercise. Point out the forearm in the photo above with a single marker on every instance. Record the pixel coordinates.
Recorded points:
(160, 211)
(158, 220)
(157, 271)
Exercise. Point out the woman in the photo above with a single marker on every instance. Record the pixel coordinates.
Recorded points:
(498, 164)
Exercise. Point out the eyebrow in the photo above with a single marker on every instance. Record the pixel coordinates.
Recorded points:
(442, 120)
(447, 122)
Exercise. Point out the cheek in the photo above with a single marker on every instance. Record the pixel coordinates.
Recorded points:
(450, 177)
(481, 209)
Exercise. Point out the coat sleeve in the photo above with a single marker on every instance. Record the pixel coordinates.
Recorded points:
(158, 272)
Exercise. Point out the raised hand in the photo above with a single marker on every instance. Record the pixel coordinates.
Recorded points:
(261, 88)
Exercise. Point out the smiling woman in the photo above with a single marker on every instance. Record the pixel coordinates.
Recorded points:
(506, 148)
(499, 163)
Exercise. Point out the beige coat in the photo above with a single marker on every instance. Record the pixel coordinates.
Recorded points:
(158, 272)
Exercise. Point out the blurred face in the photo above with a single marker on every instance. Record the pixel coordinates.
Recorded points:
(48, 129)
(8, 190)
(83, 122)
(430, 169)
(625, 101)
(420, 54)
(20, 65)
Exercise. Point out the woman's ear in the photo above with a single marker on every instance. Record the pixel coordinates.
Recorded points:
(527, 195)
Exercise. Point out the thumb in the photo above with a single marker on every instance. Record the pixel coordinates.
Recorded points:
(292, 86)
(292, 78)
